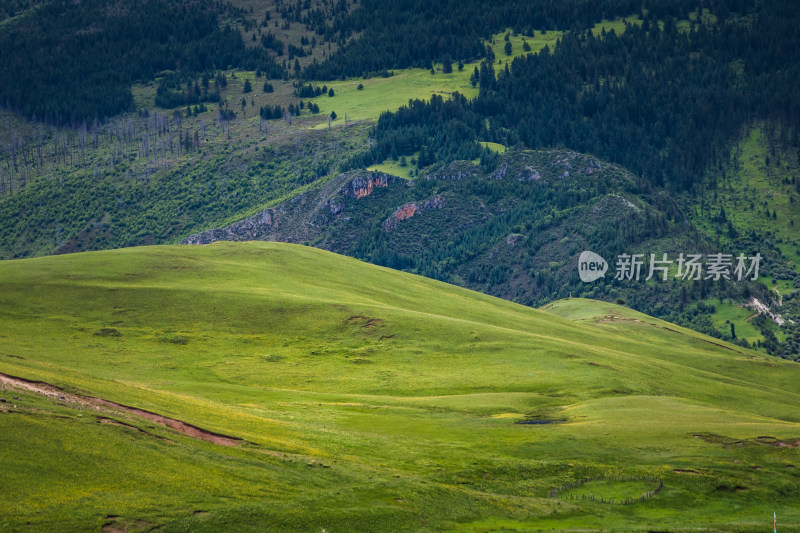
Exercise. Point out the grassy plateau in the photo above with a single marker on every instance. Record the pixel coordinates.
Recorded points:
(371, 400)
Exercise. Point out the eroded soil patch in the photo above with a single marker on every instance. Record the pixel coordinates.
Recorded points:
(728, 442)
(98, 403)
(112, 422)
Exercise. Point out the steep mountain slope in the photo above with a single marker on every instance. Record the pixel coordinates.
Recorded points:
(451, 223)
(515, 232)
(368, 399)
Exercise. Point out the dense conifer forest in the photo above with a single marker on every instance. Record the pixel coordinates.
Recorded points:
(664, 100)
(77, 60)
(416, 33)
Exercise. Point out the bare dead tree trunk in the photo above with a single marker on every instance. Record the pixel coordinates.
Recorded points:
(10, 175)
(39, 143)
(169, 133)
(95, 133)
(13, 152)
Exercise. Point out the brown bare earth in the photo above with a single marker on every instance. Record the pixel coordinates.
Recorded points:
(101, 404)
(112, 422)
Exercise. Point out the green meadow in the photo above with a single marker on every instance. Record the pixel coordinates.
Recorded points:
(727, 313)
(396, 168)
(388, 94)
(617, 25)
(755, 194)
(371, 400)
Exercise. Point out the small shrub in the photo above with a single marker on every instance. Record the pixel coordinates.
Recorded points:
(108, 332)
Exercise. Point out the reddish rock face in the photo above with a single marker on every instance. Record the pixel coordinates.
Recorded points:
(405, 211)
(302, 217)
(362, 187)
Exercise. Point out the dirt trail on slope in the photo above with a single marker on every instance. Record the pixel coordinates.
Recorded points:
(98, 403)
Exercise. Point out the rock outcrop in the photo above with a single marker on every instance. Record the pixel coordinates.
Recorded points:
(304, 217)
(406, 211)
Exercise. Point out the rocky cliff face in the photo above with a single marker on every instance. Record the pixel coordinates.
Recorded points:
(316, 216)
(408, 210)
(306, 216)
(361, 186)
(514, 232)
(244, 230)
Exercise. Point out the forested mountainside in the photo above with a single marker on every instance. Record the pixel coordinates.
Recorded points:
(663, 99)
(417, 33)
(67, 61)
(126, 125)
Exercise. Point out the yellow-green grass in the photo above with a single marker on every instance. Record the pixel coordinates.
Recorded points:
(494, 147)
(389, 94)
(395, 168)
(370, 400)
(707, 17)
(727, 313)
(537, 42)
(758, 179)
(618, 25)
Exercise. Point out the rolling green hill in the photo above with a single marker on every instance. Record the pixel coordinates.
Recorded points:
(210, 157)
(369, 400)
(516, 232)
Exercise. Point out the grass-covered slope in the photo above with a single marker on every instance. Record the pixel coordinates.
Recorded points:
(370, 400)
(516, 232)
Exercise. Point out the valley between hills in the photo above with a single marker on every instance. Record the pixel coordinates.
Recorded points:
(314, 266)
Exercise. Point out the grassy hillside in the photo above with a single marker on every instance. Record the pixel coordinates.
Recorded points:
(517, 232)
(371, 400)
(755, 197)
(759, 191)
